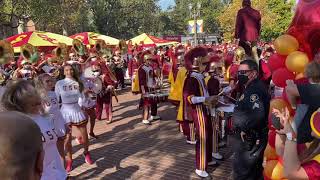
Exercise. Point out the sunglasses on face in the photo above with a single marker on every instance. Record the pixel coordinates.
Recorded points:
(95, 70)
(241, 72)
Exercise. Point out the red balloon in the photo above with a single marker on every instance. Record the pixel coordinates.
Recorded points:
(305, 26)
(272, 138)
(280, 76)
(277, 61)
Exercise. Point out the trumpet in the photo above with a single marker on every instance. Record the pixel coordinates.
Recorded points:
(6, 52)
(29, 53)
(78, 47)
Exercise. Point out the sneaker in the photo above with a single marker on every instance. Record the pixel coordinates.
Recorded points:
(191, 142)
(79, 140)
(155, 117)
(145, 121)
(87, 158)
(68, 166)
(217, 156)
(212, 163)
(92, 135)
(202, 174)
(108, 121)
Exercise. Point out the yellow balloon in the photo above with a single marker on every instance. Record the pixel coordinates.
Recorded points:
(270, 153)
(297, 61)
(274, 170)
(299, 76)
(286, 44)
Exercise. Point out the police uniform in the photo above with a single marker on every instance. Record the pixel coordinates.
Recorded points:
(251, 117)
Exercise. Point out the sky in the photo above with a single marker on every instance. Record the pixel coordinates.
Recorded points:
(164, 4)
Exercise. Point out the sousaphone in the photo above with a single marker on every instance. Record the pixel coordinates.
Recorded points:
(29, 53)
(78, 47)
(6, 52)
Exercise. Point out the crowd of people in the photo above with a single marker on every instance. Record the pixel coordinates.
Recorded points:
(222, 94)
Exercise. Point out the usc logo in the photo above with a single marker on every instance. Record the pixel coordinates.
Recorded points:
(46, 38)
(18, 39)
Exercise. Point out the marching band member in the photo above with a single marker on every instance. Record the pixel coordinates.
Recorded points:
(21, 96)
(45, 85)
(195, 99)
(26, 71)
(69, 90)
(147, 84)
(213, 85)
(119, 65)
(105, 96)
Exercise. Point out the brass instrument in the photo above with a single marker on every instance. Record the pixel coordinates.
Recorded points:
(78, 47)
(6, 52)
(29, 53)
(61, 52)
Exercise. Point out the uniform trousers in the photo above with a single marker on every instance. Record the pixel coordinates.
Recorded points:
(248, 157)
(188, 130)
(203, 131)
(105, 100)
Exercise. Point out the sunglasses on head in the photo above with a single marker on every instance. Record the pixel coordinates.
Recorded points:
(244, 71)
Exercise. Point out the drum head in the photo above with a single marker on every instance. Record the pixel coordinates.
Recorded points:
(87, 73)
(97, 85)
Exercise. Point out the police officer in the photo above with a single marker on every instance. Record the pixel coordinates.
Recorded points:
(250, 121)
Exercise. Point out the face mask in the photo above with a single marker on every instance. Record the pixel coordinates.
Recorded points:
(243, 79)
(96, 74)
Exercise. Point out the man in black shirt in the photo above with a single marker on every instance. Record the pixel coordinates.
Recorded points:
(250, 120)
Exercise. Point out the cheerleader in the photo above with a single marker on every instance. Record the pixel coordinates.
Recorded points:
(23, 97)
(70, 90)
(45, 85)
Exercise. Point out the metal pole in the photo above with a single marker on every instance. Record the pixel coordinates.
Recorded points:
(195, 32)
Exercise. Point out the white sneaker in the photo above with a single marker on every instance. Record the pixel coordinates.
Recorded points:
(202, 174)
(191, 142)
(217, 156)
(152, 118)
(212, 163)
(145, 121)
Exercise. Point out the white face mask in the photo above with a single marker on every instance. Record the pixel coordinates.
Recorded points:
(96, 74)
(93, 59)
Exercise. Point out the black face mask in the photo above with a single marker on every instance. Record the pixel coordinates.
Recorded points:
(243, 79)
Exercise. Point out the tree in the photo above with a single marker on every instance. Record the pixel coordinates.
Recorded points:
(276, 16)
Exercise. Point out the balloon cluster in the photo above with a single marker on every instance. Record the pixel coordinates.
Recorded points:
(294, 51)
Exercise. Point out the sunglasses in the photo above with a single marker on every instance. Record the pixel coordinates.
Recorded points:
(241, 72)
(95, 70)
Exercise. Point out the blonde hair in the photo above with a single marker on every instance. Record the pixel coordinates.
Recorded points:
(16, 94)
(39, 85)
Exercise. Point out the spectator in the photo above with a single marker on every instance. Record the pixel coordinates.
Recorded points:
(21, 148)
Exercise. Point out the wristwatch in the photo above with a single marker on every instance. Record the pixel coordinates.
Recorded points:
(291, 137)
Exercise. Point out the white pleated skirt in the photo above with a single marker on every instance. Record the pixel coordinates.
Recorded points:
(73, 114)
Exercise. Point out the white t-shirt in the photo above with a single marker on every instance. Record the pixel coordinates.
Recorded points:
(51, 106)
(86, 101)
(52, 165)
(68, 90)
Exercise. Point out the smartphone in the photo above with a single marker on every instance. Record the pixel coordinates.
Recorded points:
(276, 122)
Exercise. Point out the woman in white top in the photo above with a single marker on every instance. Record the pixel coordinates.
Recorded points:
(45, 85)
(70, 90)
(23, 97)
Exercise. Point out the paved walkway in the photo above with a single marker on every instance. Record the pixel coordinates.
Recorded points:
(127, 149)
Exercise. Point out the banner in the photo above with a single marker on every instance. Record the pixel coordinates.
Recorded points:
(192, 28)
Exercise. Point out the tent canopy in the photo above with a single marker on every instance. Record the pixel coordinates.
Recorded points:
(38, 39)
(89, 38)
(148, 40)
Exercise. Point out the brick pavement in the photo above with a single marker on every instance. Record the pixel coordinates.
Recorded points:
(127, 149)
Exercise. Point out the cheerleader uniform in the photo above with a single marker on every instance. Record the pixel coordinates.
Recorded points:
(68, 90)
(52, 165)
(51, 107)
